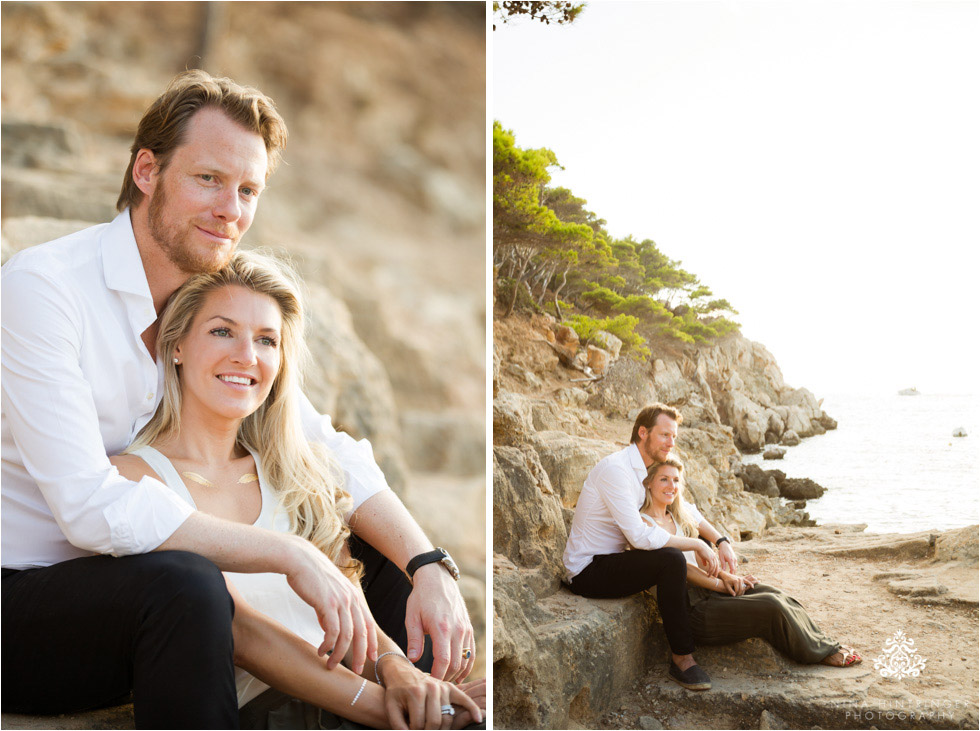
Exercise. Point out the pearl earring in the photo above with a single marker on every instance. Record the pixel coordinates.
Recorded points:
(176, 361)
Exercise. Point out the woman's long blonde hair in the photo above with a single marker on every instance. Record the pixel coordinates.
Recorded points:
(303, 474)
(678, 508)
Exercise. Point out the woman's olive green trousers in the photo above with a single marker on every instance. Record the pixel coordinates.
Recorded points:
(763, 611)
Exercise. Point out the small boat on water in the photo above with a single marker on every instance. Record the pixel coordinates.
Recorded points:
(909, 392)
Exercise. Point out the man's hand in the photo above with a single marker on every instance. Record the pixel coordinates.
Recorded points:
(341, 608)
(707, 559)
(415, 700)
(727, 556)
(436, 608)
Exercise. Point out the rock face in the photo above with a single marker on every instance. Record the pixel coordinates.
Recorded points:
(560, 660)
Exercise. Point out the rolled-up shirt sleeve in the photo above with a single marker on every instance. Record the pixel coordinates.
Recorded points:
(52, 417)
(613, 486)
(362, 476)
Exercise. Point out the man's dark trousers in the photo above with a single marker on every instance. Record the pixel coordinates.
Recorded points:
(85, 633)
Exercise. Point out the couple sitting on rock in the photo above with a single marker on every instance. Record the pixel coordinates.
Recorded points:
(221, 533)
(633, 499)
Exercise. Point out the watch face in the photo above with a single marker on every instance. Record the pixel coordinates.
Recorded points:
(451, 566)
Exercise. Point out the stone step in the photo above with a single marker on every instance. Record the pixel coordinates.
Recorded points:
(597, 650)
(116, 717)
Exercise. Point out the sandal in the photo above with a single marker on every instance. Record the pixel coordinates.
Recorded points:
(848, 657)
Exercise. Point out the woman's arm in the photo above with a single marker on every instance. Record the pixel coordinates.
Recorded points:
(282, 659)
(724, 583)
(698, 577)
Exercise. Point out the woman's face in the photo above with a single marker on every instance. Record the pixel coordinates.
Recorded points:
(665, 485)
(231, 355)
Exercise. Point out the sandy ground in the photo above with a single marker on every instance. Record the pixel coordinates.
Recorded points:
(849, 597)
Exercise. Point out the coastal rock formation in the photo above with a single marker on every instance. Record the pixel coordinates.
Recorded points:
(548, 434)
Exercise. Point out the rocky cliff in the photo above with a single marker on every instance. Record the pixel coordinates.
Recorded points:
(560, 659)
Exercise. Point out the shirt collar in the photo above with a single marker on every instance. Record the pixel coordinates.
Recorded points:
(636, 460)
(121, 262)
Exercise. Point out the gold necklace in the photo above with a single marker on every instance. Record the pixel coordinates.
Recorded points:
(201, 480)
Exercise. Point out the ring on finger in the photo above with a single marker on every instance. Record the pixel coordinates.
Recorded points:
(467, 653)
(448, 710)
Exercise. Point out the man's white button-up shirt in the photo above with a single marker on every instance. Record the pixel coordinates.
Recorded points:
(607, 515)
(77, 385)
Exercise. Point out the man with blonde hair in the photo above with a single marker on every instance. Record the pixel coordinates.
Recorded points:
(112, 586)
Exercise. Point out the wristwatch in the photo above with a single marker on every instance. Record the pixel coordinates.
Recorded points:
(721, 540)
(440, 554)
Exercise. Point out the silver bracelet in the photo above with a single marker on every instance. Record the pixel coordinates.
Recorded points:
(378, 661)
(363, 683)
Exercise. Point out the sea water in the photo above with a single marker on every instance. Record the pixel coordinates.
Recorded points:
(892, 463)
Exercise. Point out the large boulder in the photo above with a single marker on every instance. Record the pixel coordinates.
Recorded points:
(511, 418)
(626, 388)
(790, 438)
(528, 522)
(958, 545)
(750, 422)
(800, 488)
(598, 360)
(568, 460)
(608, 342)
(758, 481)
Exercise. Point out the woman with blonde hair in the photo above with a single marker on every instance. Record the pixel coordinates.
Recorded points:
(227, 439)
(730, 608)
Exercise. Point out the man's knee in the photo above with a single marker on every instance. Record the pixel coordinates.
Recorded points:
(187, 583)
(673, 559)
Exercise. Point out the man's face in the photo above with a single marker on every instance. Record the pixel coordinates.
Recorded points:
(205, 198)
(655, 443)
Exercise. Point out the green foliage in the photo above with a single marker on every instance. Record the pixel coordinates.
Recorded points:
(547, 244)
(622, 326)
(546, 11)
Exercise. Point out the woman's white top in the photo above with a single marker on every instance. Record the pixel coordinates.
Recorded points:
(267, 593)
(689, 555)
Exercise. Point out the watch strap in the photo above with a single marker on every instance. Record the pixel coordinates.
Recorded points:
(424, 559)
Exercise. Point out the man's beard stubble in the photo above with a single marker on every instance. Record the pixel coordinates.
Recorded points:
(174, 243)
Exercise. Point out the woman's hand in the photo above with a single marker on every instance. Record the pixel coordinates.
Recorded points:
(734, 585)
(750, 580)
(414, 699)
(477, 691)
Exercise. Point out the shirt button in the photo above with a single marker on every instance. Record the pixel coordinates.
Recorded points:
(149, 396)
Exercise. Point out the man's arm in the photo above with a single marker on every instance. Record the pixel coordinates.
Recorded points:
(613, 485)
(52, 417)
(435, 606)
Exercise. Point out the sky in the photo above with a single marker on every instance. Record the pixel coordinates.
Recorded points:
(815, 163)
